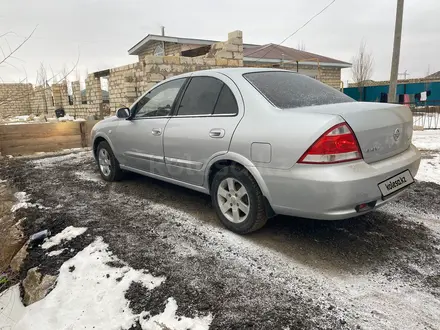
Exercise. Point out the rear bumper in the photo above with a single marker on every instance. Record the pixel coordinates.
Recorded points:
(331, 192)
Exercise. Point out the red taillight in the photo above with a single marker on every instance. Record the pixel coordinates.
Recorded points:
(337, 145)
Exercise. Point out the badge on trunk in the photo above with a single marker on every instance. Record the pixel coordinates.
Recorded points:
(396, 134)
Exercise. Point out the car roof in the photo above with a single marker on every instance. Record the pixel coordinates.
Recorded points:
(230, 72)
(242, 70)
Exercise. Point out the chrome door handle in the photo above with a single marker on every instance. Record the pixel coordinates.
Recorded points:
(156, 131)
(217, 133)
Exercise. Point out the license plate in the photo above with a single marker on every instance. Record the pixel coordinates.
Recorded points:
(396, 183)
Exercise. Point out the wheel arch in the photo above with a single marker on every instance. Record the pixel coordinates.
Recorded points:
(97, 140)
(219, 162)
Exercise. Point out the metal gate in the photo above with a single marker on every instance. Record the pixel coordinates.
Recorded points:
(427, 117)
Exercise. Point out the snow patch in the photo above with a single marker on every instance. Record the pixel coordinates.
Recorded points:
(92, 295)
(71, 158)
(55, 253)
(67, 234)
(427, 140)
(367, 295)
(31, 119)
(169, 320)
(70, 118)
(87, 176)
(11, 308)
(429, 169)
(23, 202)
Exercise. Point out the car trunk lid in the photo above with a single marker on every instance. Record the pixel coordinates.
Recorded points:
(382, 130)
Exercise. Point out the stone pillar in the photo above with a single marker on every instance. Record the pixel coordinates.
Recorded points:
(57, 97)
(93, 89)
(76, 92)
(230, 52)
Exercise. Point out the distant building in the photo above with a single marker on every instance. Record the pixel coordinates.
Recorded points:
(317, 66)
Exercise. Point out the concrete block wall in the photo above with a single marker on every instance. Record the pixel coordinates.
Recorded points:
(93, 89)
(82, 110)
(76, 93)
(59, 94)
(328, 75)
(331, 76)
(15, 100)
(127, 83)
(42, 101)
(232, 49)
(171, 48)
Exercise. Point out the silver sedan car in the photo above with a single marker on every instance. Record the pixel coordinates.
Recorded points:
(263, 142)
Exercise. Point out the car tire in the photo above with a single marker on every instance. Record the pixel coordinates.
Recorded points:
(228, 202)
(107, 163)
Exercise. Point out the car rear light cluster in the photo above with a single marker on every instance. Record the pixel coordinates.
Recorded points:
(337, 145)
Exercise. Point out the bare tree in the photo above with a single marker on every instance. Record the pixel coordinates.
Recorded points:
(362, 68)
(43, 83)
(6, 58)
(301, 46)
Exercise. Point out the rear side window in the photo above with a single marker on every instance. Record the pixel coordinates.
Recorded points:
(200, 96)
(291, 90)
(226, 103)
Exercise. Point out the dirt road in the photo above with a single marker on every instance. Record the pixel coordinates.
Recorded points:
(379, 271)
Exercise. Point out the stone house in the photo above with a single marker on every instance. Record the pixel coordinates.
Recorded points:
(317, 66)
(158, 58)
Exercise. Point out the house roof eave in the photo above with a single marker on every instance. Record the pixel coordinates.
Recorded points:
(273, 60)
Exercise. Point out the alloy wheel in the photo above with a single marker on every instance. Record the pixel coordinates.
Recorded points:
(233, 200)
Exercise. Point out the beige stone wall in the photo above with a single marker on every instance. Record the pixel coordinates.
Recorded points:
(126, 83)
(230, 49)
(76, 93)
(93, 89)
(59, 94)
(331, 76)
(15, 99)
(171, 48)
(82, 110)
(328, 75)
(42, 101)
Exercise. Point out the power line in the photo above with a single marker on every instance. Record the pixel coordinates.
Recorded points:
(291, 35)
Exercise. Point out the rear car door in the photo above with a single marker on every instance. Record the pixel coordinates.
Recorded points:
(206, 117)
(139, 140)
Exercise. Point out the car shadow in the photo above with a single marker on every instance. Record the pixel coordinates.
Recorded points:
(376, 242)
(365, 243)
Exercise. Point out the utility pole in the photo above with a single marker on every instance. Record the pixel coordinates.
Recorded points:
(396, 52)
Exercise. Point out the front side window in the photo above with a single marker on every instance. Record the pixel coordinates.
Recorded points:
(291, 90)
(200, 96)
(159, 101)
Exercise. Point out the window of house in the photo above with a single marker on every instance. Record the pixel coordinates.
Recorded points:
(200, 96)
(159, 51)
(159, 101)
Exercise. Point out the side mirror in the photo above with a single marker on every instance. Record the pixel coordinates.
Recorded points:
(123, 113)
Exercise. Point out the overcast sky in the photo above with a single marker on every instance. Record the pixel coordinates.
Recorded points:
(100, 32)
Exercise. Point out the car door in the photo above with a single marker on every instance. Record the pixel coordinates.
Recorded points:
(206, 116)
(139, 139)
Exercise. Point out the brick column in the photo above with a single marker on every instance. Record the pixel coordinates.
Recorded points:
(230, 52)
(93, 88)
(76, 91)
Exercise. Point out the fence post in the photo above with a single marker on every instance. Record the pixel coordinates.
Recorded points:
(1, 139)
(82, 129)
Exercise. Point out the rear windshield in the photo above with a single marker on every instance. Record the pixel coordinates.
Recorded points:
(291, 90)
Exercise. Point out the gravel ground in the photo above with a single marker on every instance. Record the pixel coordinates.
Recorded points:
(379, 271)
